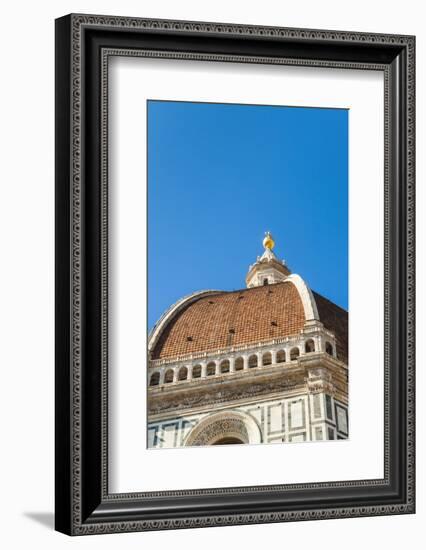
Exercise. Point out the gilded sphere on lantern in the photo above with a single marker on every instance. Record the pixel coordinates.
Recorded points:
(268, 241)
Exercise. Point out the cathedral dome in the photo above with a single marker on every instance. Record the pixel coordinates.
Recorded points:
(276, 305)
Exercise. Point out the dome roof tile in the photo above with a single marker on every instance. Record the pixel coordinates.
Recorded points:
(225, 319)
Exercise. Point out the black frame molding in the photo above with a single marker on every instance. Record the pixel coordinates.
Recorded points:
(84, 43)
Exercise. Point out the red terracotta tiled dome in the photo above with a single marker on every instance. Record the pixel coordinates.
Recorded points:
(225, 319)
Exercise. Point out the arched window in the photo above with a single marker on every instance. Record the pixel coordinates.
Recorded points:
(196, 371)
(239, 363)
(294, 354)
(168, 377)
(267, 359)
(309, 346)
(252, 362)
(328, 348)
(224, 366)
(183, 373)
(155, 379)
(281, 356)
(211, 368)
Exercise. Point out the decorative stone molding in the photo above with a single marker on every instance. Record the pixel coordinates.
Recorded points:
(320, 381)
(228, 424)
(218, 394)
(308, 300)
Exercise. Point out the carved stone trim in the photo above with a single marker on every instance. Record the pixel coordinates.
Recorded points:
(224, 424)
(305, 293)
(219, 394)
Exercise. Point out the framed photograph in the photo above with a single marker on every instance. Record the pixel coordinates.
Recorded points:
(234, 274)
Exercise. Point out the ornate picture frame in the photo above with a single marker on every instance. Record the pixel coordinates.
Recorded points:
(84, 45)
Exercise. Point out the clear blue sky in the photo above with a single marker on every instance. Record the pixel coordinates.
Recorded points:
(220, 175)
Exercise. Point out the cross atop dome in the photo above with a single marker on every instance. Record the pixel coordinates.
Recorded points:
(268, 269)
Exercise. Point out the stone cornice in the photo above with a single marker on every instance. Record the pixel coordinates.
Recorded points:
(274, 380)
(222, 399)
